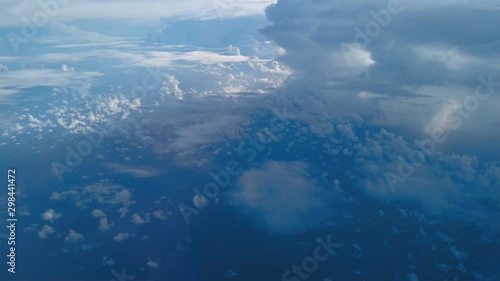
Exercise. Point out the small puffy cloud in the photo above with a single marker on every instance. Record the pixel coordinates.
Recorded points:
(171, 87)
(51, 215)
(66, 68)
(73, 237)
(153, 263)
(57, 196)
(30, 228)
(103, 220)
(123, 197)
(200, 201)
(98, 213)
(137, 219)
(104, 224)
(412, 277)
(45, 232)
(107, 261)
(122, 236)
(123, 211)
(457, 253)
(230, 274)
(160, 214)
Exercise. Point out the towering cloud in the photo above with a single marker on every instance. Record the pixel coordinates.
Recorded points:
(408, 60)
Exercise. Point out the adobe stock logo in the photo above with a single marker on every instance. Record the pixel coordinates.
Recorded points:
(121, 277)
(310, 264)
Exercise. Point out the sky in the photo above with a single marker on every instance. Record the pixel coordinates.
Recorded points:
(275, 121)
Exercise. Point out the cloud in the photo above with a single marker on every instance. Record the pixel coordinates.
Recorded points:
(207, 131)
(131, 11)
(98, 213)
(123, 197)
(320, 37)
(73, 237)
(45, 232)
(459, 186)
(107, 261)
(422, 58)
(137, 219)
(199, 201)
(210, 33)
(97, 194)
(171, 87)
(153, 263)
(104, 225)
(122, 55)
(123, 211)
(282, 197)
(6, 94)
(51, 215)
(412, 277)
(32, 77)
(122, 236)
(161, 215)
(136, 171)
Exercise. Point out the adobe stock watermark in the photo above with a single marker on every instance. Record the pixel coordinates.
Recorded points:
(485, 88)
(76, 154)
(223, 178)
(310, 264)
(121, 276)
(48, 9)
(372, 28)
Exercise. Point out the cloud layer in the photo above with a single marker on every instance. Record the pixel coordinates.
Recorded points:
(282, 197)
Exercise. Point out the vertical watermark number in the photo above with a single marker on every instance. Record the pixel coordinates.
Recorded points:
(11, 220)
